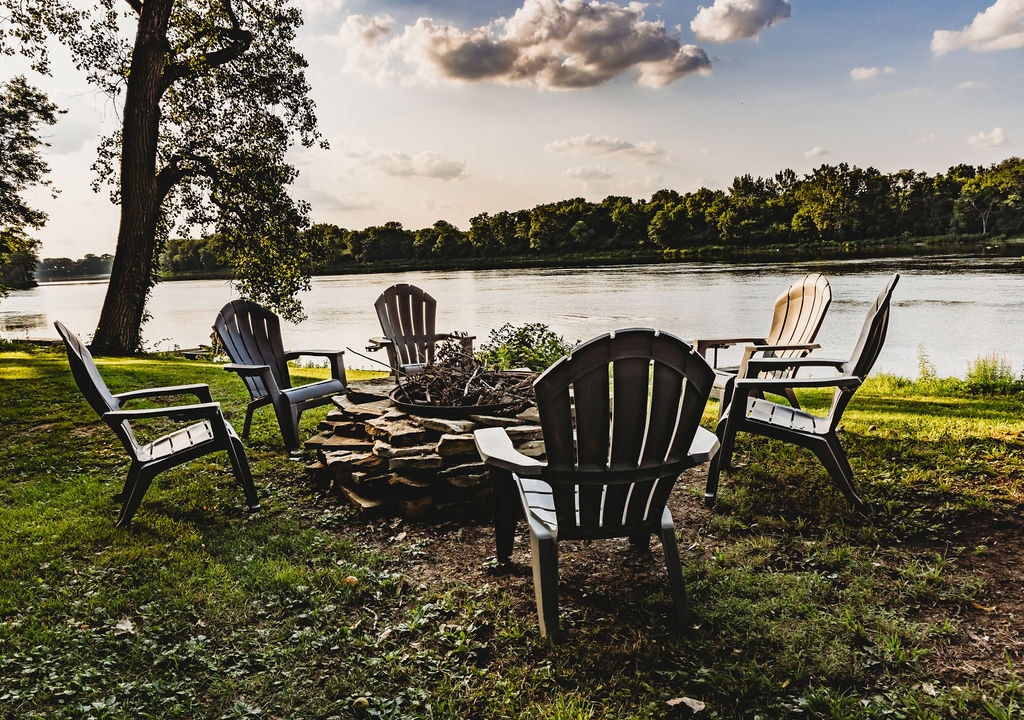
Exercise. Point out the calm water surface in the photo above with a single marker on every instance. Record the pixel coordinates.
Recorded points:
(952, 309)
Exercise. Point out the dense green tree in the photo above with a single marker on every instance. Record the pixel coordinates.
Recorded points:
(991, 200)
(330, 245)
(389, 241)
(23, 110)
(442, 240)
(214, 95)
(629, 222)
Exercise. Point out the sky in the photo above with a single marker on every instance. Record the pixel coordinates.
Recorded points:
(444, 110)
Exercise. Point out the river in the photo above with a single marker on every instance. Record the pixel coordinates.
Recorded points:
(950, 310)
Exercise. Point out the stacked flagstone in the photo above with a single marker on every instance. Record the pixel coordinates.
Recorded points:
(389, 461)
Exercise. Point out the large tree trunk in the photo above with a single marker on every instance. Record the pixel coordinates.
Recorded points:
(119, 331)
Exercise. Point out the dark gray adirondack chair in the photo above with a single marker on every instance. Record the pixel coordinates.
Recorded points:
(407, 317)
(620, 417)
(746, 411)
(796, 320)
(207, 432)
(251, 335)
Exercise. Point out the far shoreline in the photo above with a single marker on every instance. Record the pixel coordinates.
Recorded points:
(918, 247)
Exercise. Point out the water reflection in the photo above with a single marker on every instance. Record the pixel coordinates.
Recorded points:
(951, 309)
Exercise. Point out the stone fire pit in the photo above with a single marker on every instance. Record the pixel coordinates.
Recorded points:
(387, 459)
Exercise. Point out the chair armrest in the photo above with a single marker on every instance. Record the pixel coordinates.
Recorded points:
(336, 358)
(751, 350)
(496, 449)
(263, 372)
(745, 385)
(199, 390)
(184, 413)
(376, 343)
(704, 446)
(704, 344)
(247, 370)
(756, 365)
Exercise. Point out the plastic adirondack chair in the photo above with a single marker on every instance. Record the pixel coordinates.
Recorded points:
(620, 417)
(746, 411)
(407, 317)
(251, 335)
(207, 432)
(796, 320)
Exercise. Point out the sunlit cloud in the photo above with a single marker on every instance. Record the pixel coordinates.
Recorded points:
(605, 145)
(425, 164)
(996, 138)
(816, 152)
(998, 27)
(970, 85)
(556, 44)
(729, 20)
(597, 173)
(866, 73)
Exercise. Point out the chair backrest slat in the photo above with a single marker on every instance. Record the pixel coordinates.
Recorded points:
(407, 316)
(87, 376)
(799, 313)
(872, 334)
(618, 416)
(251, 335)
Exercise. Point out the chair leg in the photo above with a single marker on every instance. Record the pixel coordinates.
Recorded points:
(139, 479)
(670, 546)
(724, 454)
(240, 466)
(507, 511)
(833, 457)
(288, 421)
(722, 459)
(791, 397)
(544, 553)
(249, 410)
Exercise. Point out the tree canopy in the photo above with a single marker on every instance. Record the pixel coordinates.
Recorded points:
(213, 95)
(23, 109)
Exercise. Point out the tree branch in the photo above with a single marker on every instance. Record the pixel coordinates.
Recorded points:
(236, 41)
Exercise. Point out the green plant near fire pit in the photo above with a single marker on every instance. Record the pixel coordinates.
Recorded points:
(534, 346)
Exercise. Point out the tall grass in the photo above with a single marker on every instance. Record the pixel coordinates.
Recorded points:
(802, 608)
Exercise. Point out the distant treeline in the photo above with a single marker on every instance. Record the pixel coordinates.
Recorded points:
(51, 269)
(832, 204)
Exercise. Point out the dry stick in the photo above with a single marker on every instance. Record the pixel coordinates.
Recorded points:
(398, 373)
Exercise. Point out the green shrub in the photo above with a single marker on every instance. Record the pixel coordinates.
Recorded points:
(991, 374)
(533, 346)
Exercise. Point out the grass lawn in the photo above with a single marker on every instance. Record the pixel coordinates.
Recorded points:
(801, 607)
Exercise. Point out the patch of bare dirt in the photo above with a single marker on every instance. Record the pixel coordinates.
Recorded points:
(982, 551)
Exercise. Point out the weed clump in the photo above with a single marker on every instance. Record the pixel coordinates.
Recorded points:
(534, 346)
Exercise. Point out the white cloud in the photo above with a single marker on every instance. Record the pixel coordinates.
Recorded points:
(996, 138)
(729, 20)
(816, 152)
(588, 174)
(548, 43)
(866, 73)
(998, 27)
(425, 164)
(971, 85)
(590, 145)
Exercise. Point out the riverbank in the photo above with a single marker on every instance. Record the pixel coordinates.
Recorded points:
(768, 254)
(981, 246)
(801, 607)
